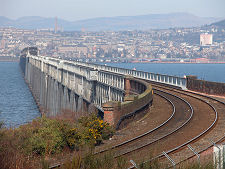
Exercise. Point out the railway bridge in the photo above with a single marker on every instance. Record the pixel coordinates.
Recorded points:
(185, 124)
(60, 86)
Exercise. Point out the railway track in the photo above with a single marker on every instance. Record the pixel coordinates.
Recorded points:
(215, 132)
(194, 117)
(179, 138)
(172, 124)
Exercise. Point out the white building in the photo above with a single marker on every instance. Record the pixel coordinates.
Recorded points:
(206, 39)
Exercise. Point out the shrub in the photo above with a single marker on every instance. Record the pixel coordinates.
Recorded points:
(97, 129)
(74, 138)
(43, 136)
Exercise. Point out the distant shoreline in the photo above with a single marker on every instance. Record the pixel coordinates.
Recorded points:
(9, 59)
(182, 62)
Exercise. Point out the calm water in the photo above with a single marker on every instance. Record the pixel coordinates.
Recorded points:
(17, 105)
(209, 72)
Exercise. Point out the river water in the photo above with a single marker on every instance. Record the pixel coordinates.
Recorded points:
(17, 105)
(209, 72)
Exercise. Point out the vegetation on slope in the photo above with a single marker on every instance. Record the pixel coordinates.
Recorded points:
(44, 138)
(47, 141)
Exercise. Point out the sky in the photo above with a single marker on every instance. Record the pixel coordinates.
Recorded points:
(73, 10)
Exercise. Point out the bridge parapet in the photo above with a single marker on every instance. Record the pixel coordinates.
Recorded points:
(139, 96)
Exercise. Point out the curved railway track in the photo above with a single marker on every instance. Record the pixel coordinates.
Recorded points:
(172, 124)
(197, 128)
(215, 132)
(146, 133)
(183, 114)
(194, 116)
(174, 140)
(181, 117)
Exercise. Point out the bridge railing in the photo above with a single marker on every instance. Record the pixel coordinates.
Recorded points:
(110, 78)
(155, 77)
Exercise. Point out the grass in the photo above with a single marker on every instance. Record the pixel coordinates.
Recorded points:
(90, 161)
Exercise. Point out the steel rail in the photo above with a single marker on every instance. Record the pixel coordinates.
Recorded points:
(222, 138)
(146, 133)
(191, 140)
(137, 148)
(199, 152)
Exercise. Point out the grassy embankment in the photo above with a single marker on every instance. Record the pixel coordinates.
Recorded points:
(45, 141)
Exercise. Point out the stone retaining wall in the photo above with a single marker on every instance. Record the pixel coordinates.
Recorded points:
(138, 98)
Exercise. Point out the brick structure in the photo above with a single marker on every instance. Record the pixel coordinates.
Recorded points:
(127, 86)
(110, 112)
(214, 88)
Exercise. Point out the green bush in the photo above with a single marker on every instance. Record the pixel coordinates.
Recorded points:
(97, 129)
(43, 136)
(74, 138)
(91, 161)
(46, 136)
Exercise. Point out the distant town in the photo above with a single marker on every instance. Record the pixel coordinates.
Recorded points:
(204, 44)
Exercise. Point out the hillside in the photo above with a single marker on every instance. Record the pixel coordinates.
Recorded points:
(141, 22)
(219, 24)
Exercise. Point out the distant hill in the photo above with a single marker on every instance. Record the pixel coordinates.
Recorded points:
(141, 22)
(32, 22)
(4, 20)
(219, 24)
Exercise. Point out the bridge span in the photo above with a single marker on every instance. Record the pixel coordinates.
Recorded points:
(60, 86)
(119, 95)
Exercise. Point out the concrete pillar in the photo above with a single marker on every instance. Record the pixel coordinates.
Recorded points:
(93, 91)
(119, 82)
(80, 104)
(166, 79)
(123, 83)
(60, 100)
(82, 83)
(109, 94)
(42, 65)
(56, 97)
